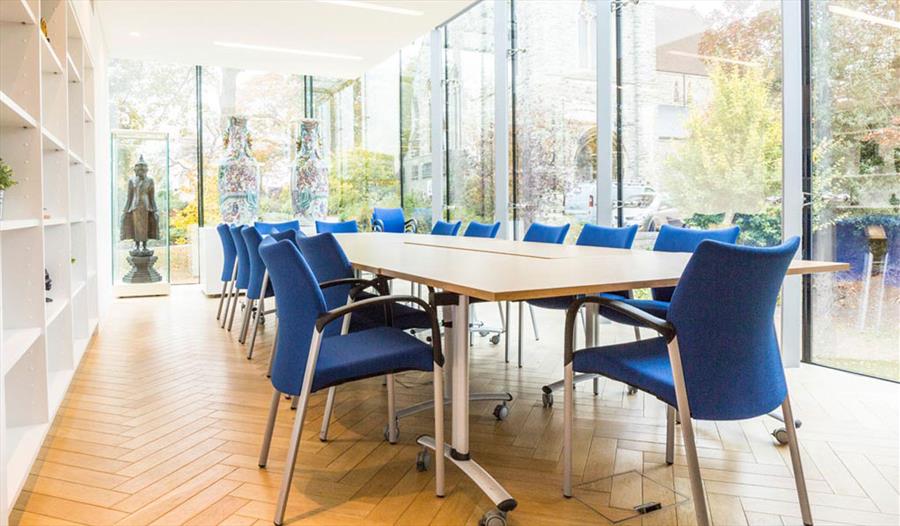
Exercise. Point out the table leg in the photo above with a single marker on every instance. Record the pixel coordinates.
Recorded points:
(456, 340)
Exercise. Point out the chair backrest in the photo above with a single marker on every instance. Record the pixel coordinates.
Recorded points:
(723, 311)
(341, 227)
(604, 236)
(229, 253)
(299, 303)
(327, 261)
(476, 229)
(252, 240)
(443, 228)
(267, 228)
(676, 239)
(389, 219)
(290, 235)
(243, 257)
(541, 233)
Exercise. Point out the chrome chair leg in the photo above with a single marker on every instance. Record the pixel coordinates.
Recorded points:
(221, 300)
(326, 416)
(506, 334)
(519, 339)
(234, 304)
(232, 285)
(568, 422)
(794, 446)
(534, 325)
(245, 324)
(274, 347)
(687, 434)
(438, 430)
(270, 428)
(391, 431)
(502, 317)
(670, 435)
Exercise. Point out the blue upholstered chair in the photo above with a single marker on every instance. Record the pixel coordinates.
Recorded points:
(476, 229)
(443, 228)
(392, 220)
(313, 354)
(341, 227)
(242, 278)
(229, 268)
(259, 287)
(716, 356)
(539, 233)
(266, 229)
(669, 239)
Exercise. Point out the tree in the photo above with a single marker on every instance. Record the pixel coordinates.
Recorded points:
(731, 160)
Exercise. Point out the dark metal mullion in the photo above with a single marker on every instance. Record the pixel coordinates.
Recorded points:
(512, 118)
(446, 145)
(198, 86)
(400, 117)
(806, 76)
(620, 178)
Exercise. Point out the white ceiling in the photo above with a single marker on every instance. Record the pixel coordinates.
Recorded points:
(184, 31)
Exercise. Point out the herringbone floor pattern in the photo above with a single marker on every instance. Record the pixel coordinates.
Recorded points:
(163, 421)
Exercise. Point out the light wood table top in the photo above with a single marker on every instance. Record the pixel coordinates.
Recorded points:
(500, 270)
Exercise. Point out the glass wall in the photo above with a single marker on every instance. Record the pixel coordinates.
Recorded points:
(415, 130)
(556, 113)
(162, 98)
(469, 85)
(361, 140)
(273, 106)
(701, 116)
(855, 214)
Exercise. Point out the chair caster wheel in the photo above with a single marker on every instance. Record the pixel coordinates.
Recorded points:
(495, 339)
(392, 437)
(493, 517)
(632, 390)
(780, 435)
(547, 399)
(501, 411)
(423, 458)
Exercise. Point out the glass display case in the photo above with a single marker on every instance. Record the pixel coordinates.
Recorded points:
(140, 209)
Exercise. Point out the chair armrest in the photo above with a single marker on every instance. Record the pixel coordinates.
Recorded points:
(377, 225)
(358, 285)
(663, 327)
(411, 225)
(342, 311)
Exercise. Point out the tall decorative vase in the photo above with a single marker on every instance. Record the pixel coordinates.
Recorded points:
(239, 180)
(309, 176)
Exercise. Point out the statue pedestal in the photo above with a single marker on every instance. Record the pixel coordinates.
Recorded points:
(142, 270)
(142, 279)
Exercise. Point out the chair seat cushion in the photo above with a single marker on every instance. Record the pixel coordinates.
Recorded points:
(643, 364)
(368, 353)
(656, 308)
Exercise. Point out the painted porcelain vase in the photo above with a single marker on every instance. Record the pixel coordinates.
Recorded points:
(309, 176)
(239, 180)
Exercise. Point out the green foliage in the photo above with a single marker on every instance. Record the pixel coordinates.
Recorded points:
(6, 176)
(731, 160)
(358, 178)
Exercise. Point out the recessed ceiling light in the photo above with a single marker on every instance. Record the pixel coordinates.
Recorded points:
(274, 49)
(134, 34)
(852, 13)
(374, 7)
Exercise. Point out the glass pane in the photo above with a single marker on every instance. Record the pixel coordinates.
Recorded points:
(855, 315)
(360, 123)
(273, 105)
(701, 116)
(470, 114)
(415, 130)
(162, 98)
(556, 113)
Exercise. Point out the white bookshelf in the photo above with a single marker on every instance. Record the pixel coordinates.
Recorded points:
(47, 99)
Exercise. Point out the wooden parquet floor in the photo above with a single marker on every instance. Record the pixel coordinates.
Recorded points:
(164, 418)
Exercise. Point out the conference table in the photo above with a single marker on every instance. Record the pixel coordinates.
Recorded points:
(505, 270)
